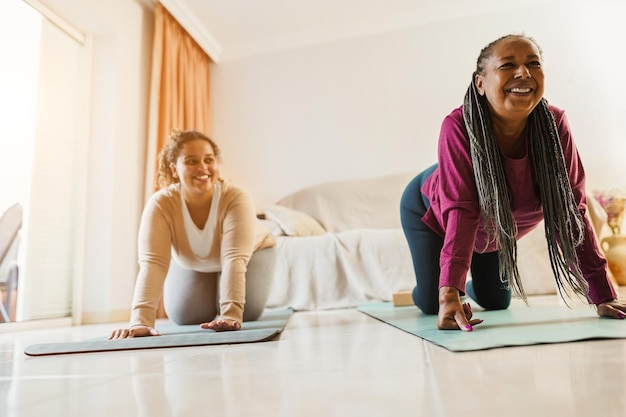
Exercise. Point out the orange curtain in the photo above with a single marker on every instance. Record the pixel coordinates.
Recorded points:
(180, 88)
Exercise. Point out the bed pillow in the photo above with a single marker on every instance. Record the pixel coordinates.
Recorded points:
(294, 222)
(273, 228)
(340, 206)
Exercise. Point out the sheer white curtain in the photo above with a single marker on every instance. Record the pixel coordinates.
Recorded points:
(53, 155)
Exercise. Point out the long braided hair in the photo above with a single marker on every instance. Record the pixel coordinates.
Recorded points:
(563, 221)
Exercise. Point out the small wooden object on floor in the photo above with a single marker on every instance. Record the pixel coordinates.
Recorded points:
(403, 298)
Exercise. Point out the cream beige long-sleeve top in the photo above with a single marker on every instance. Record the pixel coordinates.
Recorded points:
(162, 233)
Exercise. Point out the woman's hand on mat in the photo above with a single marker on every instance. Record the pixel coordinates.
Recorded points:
(135, 331)
(613, 308)
(454, 315)
(222, 325)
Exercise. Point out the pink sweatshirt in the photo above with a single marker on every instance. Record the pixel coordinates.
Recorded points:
(454, 211)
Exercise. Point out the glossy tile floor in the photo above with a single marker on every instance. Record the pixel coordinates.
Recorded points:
(327, 363)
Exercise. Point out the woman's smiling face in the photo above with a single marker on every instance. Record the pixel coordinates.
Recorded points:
(196, 166)
(512, 77)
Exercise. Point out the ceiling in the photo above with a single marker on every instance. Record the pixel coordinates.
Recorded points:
(231, 29)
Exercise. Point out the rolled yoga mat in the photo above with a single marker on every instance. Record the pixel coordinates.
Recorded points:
(519, 325)
(266, 328)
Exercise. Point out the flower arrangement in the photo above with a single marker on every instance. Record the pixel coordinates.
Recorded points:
(613, 202)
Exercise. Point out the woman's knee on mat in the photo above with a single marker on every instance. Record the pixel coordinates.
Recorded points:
(259, 279)
(427, 306)
(491, 298)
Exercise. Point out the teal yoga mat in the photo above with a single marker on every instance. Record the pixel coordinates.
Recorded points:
(517, 326)
(266, 328)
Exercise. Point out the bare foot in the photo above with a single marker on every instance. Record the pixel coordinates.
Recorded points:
(222, 325)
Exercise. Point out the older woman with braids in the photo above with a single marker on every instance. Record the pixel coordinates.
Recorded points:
(199, 245)
(506, 161)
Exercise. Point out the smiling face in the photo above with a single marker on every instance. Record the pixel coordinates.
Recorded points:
(511, 77)
(196, 167)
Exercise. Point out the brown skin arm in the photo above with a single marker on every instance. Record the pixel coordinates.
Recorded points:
(454, 315)
(613, 309)
(222, 325)
(135, 331)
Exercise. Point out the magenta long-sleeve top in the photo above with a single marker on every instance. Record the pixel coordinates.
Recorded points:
(454, 211)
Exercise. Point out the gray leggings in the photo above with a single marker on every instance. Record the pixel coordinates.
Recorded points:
(192, 297)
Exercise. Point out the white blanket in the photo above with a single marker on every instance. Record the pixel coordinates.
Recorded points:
(341, 270)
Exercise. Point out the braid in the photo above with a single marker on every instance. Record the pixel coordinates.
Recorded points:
(493, 192)
(562, 219)
(564, 225)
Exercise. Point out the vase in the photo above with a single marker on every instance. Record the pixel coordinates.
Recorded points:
(615, 252)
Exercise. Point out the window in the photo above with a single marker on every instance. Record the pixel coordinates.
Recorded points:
(42, 98)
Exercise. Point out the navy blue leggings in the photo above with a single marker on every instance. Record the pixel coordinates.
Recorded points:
(425, 247)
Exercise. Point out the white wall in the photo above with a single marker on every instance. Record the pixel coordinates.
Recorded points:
(373, 105)
(122, 53)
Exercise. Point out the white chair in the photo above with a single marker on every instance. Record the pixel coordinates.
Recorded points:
(10, 225)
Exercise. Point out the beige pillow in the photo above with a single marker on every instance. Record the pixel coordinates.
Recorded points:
(294, 222)
(340, 206)
(273, 228)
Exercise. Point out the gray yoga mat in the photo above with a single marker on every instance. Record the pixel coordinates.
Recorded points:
(517, 326)
(266, 328)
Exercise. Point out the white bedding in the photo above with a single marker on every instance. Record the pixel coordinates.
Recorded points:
(340, 270)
